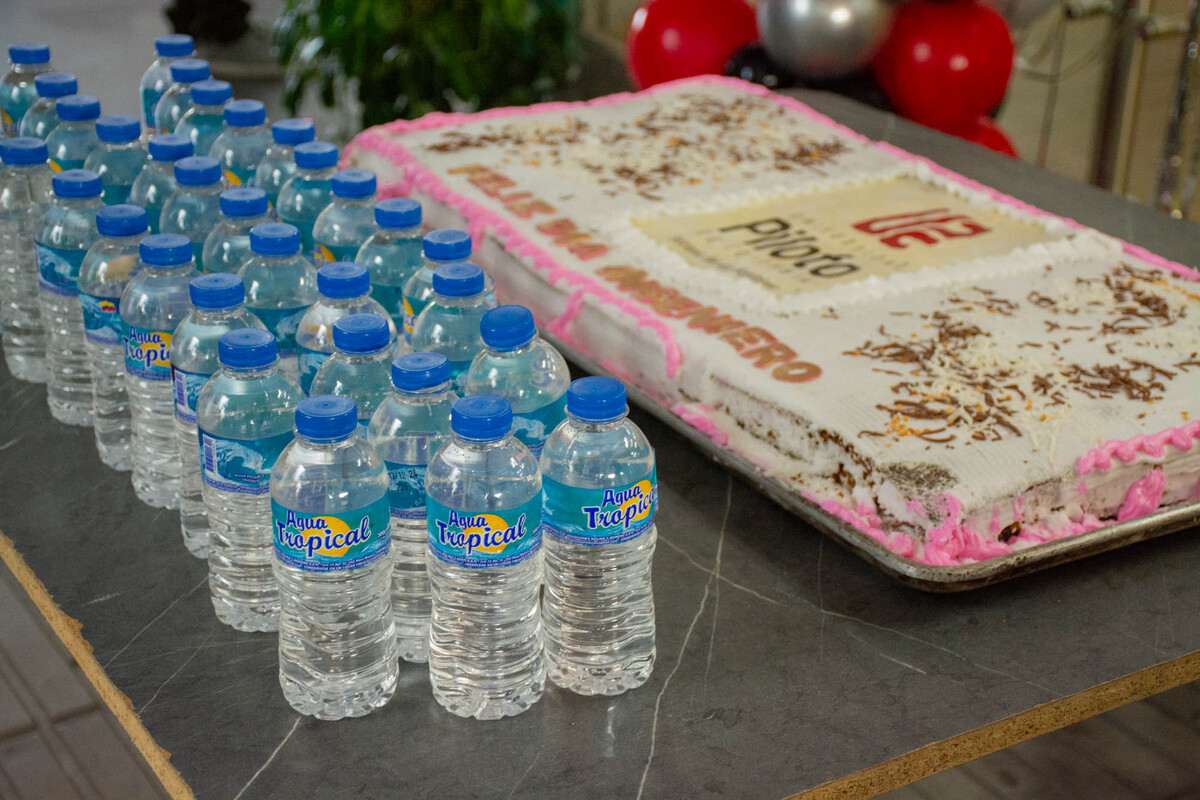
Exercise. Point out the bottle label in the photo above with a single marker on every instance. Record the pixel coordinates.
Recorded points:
(101, 319)
(283, 322)
(532, 427)
(114, 195)
(310, 362)
(328, 253)
(150, 99)
(239, 176)
(6, 122)
(242, 466)
(413, 307)
(331, 542)
(392, 299)
(64, 164)
(58, 269)
(458, 374)
(187, 390)
(484, 540)
(148, 353)
(406, 494)
(600, 516)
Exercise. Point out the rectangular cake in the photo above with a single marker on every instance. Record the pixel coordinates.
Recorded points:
(953, 372)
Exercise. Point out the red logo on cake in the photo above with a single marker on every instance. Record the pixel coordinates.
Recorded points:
(927, 227)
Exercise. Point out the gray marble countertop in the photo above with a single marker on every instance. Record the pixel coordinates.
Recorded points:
(784, 662)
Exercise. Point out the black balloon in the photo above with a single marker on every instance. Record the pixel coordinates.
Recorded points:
(860, 86)
(752, 63)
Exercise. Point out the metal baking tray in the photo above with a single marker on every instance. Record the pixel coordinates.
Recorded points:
(960, 578)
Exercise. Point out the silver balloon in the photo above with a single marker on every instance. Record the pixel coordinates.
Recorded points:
(1020, 13)
(823, 38)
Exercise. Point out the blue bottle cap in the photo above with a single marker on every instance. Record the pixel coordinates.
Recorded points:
(245, 113)
(326, 418)
(29, 53)
(342, 279)
(211, 93)
(353, 183)
(76, 183)
(122, 220)
(416, 371)
(165, 250)
(55, 84)
(481, 417)
(197, 171)
(190, 70)
(118, 129)
(458, 280)
(275, 239)
(294, 131)
(596, 399)
(361, 333)
(175, 45)
(170, 147)
(316, 155)
(246, 348)
(507, 327)
(446, 244)
(216, 291)
(23, 151)
(245, 201)
(77, 107)
(398, 212)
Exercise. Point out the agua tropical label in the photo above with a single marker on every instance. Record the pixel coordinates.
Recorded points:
(187, 386)
(413, 306)
(310, 363)
(331, 542)
(64, 164)
(58, 269)
(392, 299)
(242, 466)
(101, 319)
(148, 353)
(150, 99)
(114, 195)
(406, 490)
(283, 323)
(484, 540)
(239, 176)
(600, 516)
(328, 253)
(532, 427)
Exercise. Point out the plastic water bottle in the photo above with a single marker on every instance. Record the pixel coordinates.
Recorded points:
(485, 532)
(218, 306)
(25, 194)
(119, 158)
(279, 162)
(228, 244)
(42, 116)
(17, 91)
(154, 302)
(68, 230)
(450, 323)
(344, 289)
(329, 514)
(155, 184)
(176, 99)
(244, 415)
(106, 269)
(74, 139)
(243, 143)
(348, 219)
(440, 247)
(361, 365)
(409, 426)
(195, 207)
(306, 193)
(202, 123)
(601, 495)
(280, 286)
(525, 370)
(393, 253)
(157, 77)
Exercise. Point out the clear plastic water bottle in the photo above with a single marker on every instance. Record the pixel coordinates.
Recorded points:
(74, 139)
(68, 230)
(243, 143)
(329, 514)
(25, 194)
(348, 219)
(106, 269)
(601, 495)
(120, 157)
(410, 425)
(218, 306)
(154, 302)
(525, 370)
(485, 532)
(244, 414)
(17, 91)
(361, 365)
(42, 116)
(168, 50)
(155, 184)
(306, 193)
(195, 207)
(440, 247)
(228, 244)
(203, 122)
(176, 99)
(393, 253)
(449, 324)
(279, 162)
(343, 289)
(280, 286)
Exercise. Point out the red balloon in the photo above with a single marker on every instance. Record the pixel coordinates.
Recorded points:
(672, 39)
(945, 64)
(987, 133)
